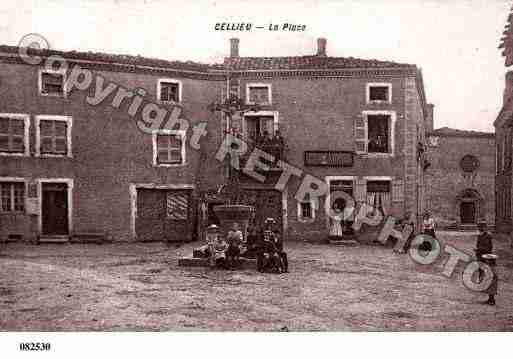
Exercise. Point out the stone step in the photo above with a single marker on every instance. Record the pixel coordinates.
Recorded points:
(344, 242)
(88, 237)
(245, 263)
(53, 239)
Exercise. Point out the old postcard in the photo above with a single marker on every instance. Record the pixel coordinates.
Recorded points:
(273, 166)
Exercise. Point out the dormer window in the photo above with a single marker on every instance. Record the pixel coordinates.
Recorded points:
(169, 90)
(258, 94)
(51, 83)
(379, 93)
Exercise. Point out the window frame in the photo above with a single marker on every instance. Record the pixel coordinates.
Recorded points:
(52, 71)
(173, 81)
(378, 84)
(391, 125)
(26, 138)
(69, 125)
(300, 216)
(388, 179)
(154, 135)
(259, 84)
(25, 189)
(249, 114)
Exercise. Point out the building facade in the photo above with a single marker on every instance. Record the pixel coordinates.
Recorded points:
(504, 145)
(503, 179)
(460, 181)
(75, 160)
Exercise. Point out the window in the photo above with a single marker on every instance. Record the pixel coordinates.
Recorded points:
(306, 211)
(53, 136)
(52, 83)
(258, 94)
(14, 134)
(168, 148)
(378, 195)
(469, 163)
(379, 93)
(169, 90)
(12, 196)
(374, 132)
(258, 127)
(378, 138)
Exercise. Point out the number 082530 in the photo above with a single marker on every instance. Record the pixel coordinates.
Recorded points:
(35, 346)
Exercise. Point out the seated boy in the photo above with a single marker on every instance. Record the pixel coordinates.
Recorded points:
(220, 247)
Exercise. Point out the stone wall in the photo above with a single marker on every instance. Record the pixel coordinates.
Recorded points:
(446, 181)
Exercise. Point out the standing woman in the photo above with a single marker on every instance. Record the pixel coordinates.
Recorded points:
(336, 223)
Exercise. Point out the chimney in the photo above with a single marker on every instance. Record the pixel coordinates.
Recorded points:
(234, 47)
(321, 46)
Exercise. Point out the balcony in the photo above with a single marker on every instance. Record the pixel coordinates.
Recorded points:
(273, 146)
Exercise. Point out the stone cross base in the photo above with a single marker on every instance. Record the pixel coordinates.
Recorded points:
(245, 263)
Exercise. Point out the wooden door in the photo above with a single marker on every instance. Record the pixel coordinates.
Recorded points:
(54, 209)
(468, 212)
(164, 215)
(178, 222)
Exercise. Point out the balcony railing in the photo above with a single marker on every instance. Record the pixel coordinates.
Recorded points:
(274, 146)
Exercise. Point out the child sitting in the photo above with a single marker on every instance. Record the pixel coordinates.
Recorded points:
(220, 247)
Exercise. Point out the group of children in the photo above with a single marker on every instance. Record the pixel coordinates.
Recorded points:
(266, 246)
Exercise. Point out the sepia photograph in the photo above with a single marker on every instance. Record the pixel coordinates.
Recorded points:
(307, 170)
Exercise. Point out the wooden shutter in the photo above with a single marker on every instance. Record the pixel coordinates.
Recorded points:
(361, 190)
(360, 134)
(397, 191)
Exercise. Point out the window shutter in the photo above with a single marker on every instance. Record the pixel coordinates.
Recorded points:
(398, 191)
(270, 126)
(361, 190)
(360, 134)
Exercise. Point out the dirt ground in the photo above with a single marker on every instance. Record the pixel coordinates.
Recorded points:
(121, 287)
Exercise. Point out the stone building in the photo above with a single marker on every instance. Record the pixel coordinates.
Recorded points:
(460, 180)
(72, 161)
(504, 141)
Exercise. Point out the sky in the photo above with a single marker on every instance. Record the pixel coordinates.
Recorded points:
(454, 42)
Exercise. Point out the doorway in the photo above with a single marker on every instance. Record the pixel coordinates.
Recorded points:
(468, 212)
(164, 215)
(54, 209)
